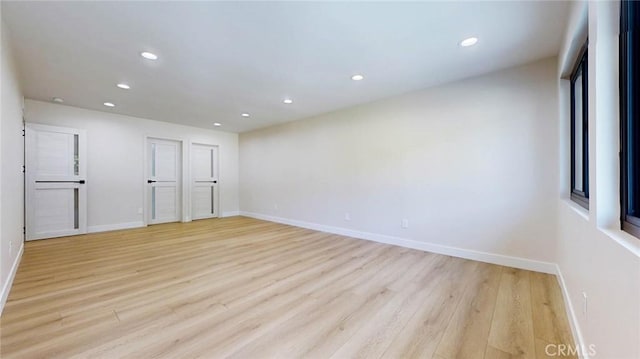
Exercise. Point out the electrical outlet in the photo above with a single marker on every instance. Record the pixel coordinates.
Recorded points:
(139, 210)
(347, 216)
(275, 206)
(584, 303)
(405, 223)
(10, 246)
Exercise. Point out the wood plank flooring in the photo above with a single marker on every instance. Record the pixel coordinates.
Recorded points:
(243, 288)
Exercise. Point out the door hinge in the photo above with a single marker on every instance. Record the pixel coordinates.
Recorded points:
(23, 132)
(24, 169)
(24, 230)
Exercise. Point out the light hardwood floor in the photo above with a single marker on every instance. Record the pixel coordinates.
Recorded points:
(244, 288)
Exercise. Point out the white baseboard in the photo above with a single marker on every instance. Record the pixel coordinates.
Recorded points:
(6, 288)
(230, 214)
(573, 319)
(114, 227)
(500, 259)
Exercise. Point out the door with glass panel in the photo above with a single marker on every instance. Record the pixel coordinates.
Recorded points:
(204, 181)
(56, 188)
(164, 180)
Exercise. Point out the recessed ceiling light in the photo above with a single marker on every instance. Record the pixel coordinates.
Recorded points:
(217, 124)
(124, 86)
(57, 99)
(469, 42)
(109, 104)
(149, 55)
(288, 101)
(245, 115)
(357, 77)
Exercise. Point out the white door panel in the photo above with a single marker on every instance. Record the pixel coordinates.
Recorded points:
(204, 181)
(165, 203)
(55, 154)
(56, 186)
(55, 209)
(202, 162)
(166, 161)
(203, 201)
(164, 168)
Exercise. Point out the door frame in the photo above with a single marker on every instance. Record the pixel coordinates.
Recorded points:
(29, 181)
(191, 176)
(146, 209)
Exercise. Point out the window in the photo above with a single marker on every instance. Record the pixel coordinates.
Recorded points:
(630, 116)
(580, 131)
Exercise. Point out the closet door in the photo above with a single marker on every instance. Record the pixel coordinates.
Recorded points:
(164, 182)
(56, 188)
(204, 177)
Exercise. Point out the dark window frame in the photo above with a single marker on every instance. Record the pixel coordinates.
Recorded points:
(630, 117)
(580, 68)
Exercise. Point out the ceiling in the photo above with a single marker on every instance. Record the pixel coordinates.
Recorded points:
(218, 60)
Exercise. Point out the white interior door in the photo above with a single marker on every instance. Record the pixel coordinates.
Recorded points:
(56, 189)
(164, 180)
(204, 181)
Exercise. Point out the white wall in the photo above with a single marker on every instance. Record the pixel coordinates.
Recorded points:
(471, 164)
(115, 172)
(11, 180)
(480, 164)
(594, 256)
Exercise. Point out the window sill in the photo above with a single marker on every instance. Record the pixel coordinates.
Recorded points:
(581, 211)
(624, 239)
(580, 199)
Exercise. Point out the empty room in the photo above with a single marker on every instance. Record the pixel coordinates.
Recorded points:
(320, 179)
